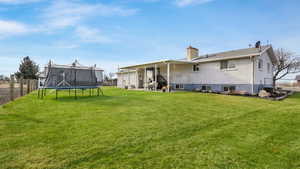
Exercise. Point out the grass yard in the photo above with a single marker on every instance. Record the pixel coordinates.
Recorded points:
(135, 129)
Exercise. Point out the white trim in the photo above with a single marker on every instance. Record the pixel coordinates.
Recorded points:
(157, 62)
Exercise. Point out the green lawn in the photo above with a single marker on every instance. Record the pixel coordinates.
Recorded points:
(135, 129)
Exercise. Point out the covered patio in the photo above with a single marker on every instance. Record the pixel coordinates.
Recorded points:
(153, 76)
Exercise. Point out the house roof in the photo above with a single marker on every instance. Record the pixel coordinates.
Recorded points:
(240, 53)
(233, 54)
(157, 62)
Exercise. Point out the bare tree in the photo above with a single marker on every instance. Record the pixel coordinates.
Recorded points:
(288, 63)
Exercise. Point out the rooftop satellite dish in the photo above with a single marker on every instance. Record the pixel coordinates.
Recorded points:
(257, 44)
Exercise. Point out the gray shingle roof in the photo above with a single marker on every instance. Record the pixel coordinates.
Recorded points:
(233, 53)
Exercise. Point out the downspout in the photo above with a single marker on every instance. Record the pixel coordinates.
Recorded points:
(253, 74)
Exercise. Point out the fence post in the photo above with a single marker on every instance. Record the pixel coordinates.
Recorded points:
(21, 86)
(35, 84)
(28, 86)
(12, 87)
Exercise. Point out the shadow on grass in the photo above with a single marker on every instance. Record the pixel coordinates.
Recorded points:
(81, 98)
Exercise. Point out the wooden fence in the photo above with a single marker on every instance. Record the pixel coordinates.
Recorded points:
(12, 89)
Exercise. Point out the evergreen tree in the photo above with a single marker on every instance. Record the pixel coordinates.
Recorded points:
(28, 69)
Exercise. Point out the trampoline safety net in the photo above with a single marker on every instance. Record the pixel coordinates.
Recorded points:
(60, 77)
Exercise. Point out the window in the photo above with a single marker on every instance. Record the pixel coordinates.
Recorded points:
(179, 86)
(226, 89)
(260, 64)
(269, 67)
(229, 88)
(232, 88)
(206, 88)
(196, 68)
(231, 65)
(225, 64)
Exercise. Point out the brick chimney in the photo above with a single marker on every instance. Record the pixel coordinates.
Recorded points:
(192, 53)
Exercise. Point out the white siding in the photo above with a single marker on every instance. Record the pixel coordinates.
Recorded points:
(262, 76)
(127, 79)
(210, 73)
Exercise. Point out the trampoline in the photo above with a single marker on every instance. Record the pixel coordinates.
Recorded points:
(71, 77)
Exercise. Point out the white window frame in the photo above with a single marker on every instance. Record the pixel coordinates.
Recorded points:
(230, 65)
(179, 86)
(207, 87)
(231, 88)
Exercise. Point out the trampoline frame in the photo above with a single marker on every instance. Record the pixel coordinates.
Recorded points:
(42, 91)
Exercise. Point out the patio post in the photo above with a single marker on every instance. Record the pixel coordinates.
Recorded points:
(128, 74)
(137, 79)
(168, 76)
(145, 78)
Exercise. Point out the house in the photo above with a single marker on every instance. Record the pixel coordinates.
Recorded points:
(247, 70)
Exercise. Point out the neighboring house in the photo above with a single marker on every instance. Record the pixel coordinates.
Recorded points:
(42, 78)
(247, 70)
(298, 80)
(110, 82)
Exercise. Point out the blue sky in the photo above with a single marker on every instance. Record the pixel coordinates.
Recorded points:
(112, 33)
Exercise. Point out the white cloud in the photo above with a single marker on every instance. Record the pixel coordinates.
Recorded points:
(91, 35)
(64, 13)
(65, 45)
(18, 1)
(9, 28)
(183, 3)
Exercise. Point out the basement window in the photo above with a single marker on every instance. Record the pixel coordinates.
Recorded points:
(229, 88)
(206, 88)
(179, 86)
